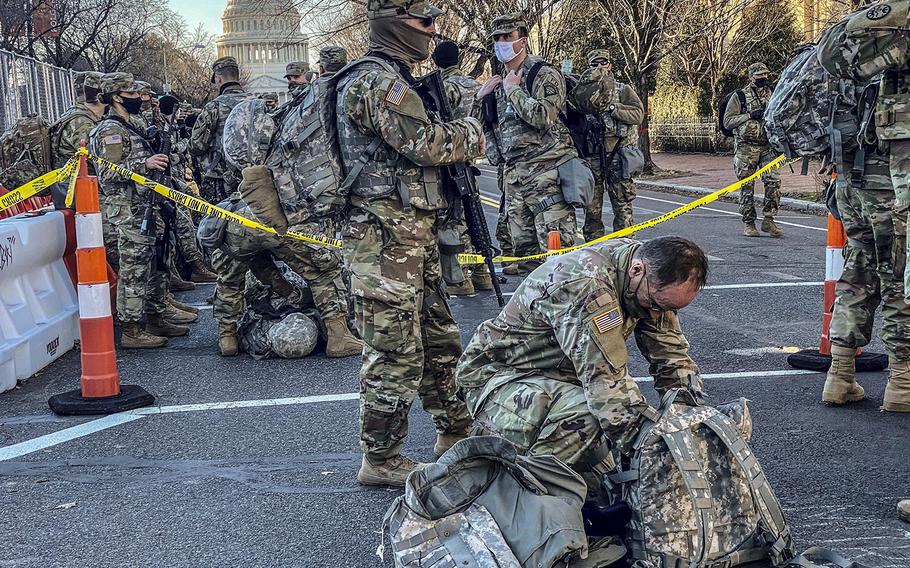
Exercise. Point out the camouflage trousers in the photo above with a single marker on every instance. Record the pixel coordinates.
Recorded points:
(534, 207)
(747, 159)
(540, 416)
(411, 341)
(110, 236)
(900, 177)
(873, 269)
(621, 192)
(142, 286)
(242, 250)
(185, 231)
(503, 237)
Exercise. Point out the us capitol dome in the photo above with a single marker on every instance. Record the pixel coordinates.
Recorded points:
(263, 36)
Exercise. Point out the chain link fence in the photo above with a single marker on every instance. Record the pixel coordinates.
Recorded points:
(31, 87)
(691, 134)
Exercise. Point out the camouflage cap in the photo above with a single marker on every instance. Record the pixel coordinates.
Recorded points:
(599, 54)
(333, 57)
(79, 79)
(295, 68)
(416, 8)
(758, 69)
(224, 63)
(92, 80)
(112, 83)
(270, 96)
(507, 24)
(144, 88)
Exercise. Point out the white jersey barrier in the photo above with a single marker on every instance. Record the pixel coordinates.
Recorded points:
(39, 311)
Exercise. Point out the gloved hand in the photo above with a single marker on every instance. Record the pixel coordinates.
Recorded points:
(757, 114)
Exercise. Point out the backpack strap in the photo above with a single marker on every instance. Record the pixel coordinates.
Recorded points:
(532, 74)
(741, 95)
(808, 559)
(780, 549)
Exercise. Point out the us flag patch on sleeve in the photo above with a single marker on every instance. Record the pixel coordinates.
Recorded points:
(396, 93)
(605, 321)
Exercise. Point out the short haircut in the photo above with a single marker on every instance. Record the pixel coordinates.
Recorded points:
(229, 73)
(674, 260)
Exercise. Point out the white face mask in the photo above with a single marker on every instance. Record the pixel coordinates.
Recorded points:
(505, 50)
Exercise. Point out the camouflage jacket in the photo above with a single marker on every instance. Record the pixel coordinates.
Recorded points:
(460, 90)
(616, 104)
(68, 132)
(745, 129)
(205, 141)
(569, 321)
(528, 128)
(126, 147)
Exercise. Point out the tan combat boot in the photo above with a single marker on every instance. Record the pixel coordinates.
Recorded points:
(897, 392)
(903, 510)
(181, 306)
(466, 288)
(177, 284)
(482, 280)
(770, 227)
(841, 386)
(340, 341)
(174, 314)
(749, 229)
(134, 337)
(227, 339)
(201, 274)
(510, 269)
(446, 441)
(392, 472)
(159, 324)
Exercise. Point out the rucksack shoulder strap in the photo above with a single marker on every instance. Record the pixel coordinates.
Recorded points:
(532, 74)
(741, 95)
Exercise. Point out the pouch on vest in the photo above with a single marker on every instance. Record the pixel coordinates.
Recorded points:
(258, 191)
(212, 229)
(449, 248)
(633, 161)
(576, 182)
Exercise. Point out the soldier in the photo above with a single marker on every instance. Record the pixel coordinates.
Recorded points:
(294, 73)
(390, 244)
(550, 372)
(460, 90)
(73, 128)
(271, 101)
(149, 108)
(220, 180)
(331, 60)
(752, 151)
(121, 139)
(531, 141)
(78, 85)
(620, 119)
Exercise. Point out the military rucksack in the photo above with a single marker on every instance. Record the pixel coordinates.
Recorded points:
(248, 132)
(482, 505)
(812, 113)
(214, 163)
(698, 496)
(722, 110)
(584, 130)
(25, 151)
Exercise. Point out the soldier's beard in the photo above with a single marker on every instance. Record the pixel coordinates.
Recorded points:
(395, 37)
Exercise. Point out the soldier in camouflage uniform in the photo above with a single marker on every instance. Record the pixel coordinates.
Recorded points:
(332, 59)
(550, 372)
(79, 83)
(390, 243)
(220, 180)
(620, 115)
(294, 73)
(142, 289)
(68, 133)
(530, 140)
(873, 271)
(752, 151)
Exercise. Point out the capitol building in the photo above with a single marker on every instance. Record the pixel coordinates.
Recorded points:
(263, 36)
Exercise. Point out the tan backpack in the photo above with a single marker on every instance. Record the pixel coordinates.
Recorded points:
(25, 151)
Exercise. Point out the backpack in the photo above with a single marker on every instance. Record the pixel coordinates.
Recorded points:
(25, 151)
(586, 131)
(812, 113)
(722, 110)
(248, 132)
(698, 496)
(484, 506)
(225, 103)
(867, 42)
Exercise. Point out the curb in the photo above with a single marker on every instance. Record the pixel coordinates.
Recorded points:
(788, 203)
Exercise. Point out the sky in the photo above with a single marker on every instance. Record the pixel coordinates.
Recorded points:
(207, 12)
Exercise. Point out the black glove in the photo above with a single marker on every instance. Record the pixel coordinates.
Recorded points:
(757, 114)
(190, 121)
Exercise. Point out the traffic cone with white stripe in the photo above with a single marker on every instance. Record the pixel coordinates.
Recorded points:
(820, 359)
(101, 391)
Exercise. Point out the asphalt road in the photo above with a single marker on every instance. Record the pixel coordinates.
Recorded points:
(271, 482)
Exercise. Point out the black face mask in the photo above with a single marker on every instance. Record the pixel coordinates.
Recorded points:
(761, 82)
(132, 106)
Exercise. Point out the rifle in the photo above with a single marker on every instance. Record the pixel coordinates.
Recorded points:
(162, 242)
(463, 178)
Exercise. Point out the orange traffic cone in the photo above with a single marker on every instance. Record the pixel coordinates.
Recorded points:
(101, 391)
(554, 241)
(820, 360)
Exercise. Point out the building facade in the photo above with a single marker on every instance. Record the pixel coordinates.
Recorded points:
(263, 36)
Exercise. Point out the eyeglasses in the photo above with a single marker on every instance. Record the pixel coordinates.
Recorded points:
(653, 304)
(599, 63)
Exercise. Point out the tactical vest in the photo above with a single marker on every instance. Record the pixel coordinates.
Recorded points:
(517, 138)
(140, 150)
(892, 109)
(56, 130)
(387, 174)
(214, 164)
(468, 87)
(753, 131)
(615, 128)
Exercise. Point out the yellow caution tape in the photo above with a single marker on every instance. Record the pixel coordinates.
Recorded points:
(39, 184)
(204, 207)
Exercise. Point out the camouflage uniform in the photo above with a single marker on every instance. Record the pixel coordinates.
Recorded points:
(874, 263)
(502, 220)
(295, 69)
(332, 59)
(219, 179)
(550, 372)
(620, 118)
(142, 286)
(532, 142)
(391, 248)
(751, 149)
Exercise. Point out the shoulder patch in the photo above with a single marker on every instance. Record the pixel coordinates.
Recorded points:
(607, 320)
(549, 90)
(397, 92)
(113, 139)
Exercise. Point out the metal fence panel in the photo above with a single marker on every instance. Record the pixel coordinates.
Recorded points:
(691, 134)
(31, 87)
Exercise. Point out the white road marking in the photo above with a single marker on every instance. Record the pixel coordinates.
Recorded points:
(202, 306)
(714, 258)
(761, 351)
(823, 229)
(65, 435)
(244, 404)
(781, 275)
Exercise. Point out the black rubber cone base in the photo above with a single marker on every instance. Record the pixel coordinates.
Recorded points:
(812, 360)
(72, 404)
